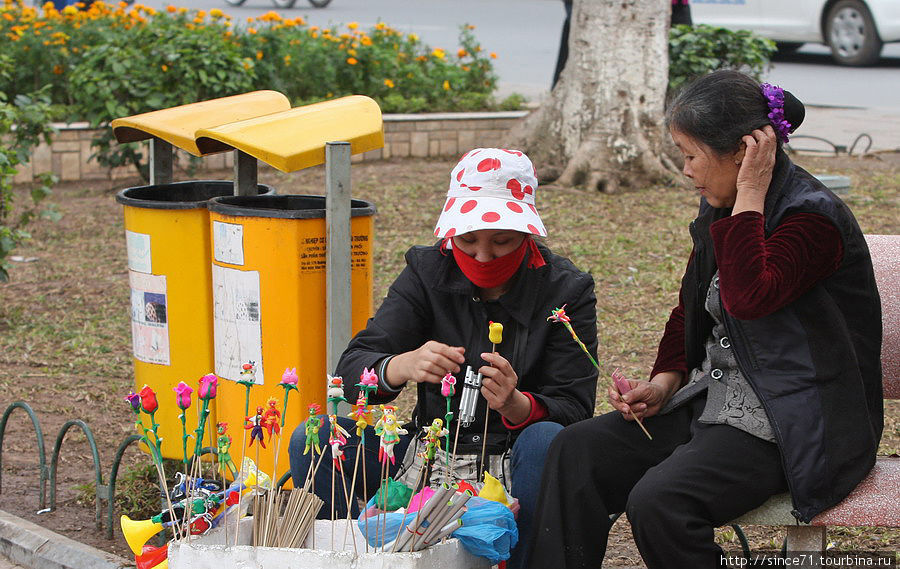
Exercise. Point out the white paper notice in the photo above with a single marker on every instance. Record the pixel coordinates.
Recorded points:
(228, 243)
(138, 245)
(236, 324)
(149, 320)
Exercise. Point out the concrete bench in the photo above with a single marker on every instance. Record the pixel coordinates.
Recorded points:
(876, 500)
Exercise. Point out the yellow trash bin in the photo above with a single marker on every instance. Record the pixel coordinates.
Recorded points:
(269, 292)
(167, 238)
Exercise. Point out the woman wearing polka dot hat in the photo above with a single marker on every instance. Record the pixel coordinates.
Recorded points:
(485, 267)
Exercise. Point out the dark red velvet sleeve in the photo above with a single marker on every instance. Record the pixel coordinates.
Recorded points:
(670, 353)
(758, 276)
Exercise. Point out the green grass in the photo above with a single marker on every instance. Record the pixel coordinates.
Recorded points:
(65, 333)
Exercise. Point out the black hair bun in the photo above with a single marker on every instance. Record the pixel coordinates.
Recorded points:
(794, 110)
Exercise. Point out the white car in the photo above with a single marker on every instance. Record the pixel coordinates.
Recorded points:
(855, 30)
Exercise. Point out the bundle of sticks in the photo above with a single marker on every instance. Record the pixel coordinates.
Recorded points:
(280, 522)
(437, 519)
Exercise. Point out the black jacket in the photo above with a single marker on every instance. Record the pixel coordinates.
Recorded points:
(815, 364)
(433, 300)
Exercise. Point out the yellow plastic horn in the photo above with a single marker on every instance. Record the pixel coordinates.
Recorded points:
(138, 532)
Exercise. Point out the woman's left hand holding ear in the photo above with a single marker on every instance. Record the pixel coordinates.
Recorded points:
(755, 173)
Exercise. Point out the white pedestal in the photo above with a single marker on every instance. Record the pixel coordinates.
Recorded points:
(208, 552)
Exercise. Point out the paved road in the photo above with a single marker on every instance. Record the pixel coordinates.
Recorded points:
(525, 34)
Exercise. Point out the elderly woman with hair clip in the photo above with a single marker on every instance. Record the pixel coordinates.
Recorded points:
(487, 266)
(768, 375)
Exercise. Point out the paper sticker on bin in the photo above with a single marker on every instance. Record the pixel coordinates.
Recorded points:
(269, 308)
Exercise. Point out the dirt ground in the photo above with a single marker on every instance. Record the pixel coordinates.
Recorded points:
(70, 357)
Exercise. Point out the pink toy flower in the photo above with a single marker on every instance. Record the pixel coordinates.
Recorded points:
(448, 385)
(183, 395)
(208, 384)
(368, 377)
(135, 400)
(148, 400)
(620, 382)
(290, 377)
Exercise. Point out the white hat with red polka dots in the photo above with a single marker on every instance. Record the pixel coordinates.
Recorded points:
(491, 188)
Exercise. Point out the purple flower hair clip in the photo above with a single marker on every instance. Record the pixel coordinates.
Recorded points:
(775, 99)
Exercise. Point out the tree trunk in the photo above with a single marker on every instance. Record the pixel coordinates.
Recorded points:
(602, 126)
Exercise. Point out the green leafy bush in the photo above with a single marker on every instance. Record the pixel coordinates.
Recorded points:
(24, 122)
(698, 50)
(104, 61)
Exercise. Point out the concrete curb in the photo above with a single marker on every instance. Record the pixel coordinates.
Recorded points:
(31, 545)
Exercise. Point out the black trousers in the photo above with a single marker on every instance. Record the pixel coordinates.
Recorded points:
(690, 479)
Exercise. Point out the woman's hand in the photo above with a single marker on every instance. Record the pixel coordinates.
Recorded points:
(498, 385)
(429, 363)
(646, 398)
(755, 173)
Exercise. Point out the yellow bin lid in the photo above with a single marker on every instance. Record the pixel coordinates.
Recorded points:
(295, 139)
(177, 125)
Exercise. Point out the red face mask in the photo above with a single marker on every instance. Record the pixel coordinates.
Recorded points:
(497, 271)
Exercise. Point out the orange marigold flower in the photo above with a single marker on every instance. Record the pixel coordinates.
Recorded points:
(352, 61)
(365, 40)
(462, 52)
(388, 83)
(123, 4)
(247, 63)
(216, 13)
(413, 38)
(471, 27)
(287, 59)
(438, 53)
(259, 55)
(182, 10)
(493, 55)
(171, 9)
(446, 85)
(353, 25)
(251, 31)
(164, 67)
(57, 69)
(351, 52)
(8, 17)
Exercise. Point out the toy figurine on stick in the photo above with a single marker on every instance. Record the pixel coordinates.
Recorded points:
(559, 315)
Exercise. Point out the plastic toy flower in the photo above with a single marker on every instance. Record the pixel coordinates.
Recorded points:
(148, 400)
(448, 385)
(208, 384)
(289, 378)
(183, 395)
(135, 400)
(368, 378)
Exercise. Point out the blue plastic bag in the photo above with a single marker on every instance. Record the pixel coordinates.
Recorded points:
(489, 529)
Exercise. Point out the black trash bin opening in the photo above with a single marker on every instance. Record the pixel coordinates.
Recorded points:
(181, 195)
(287, 206)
